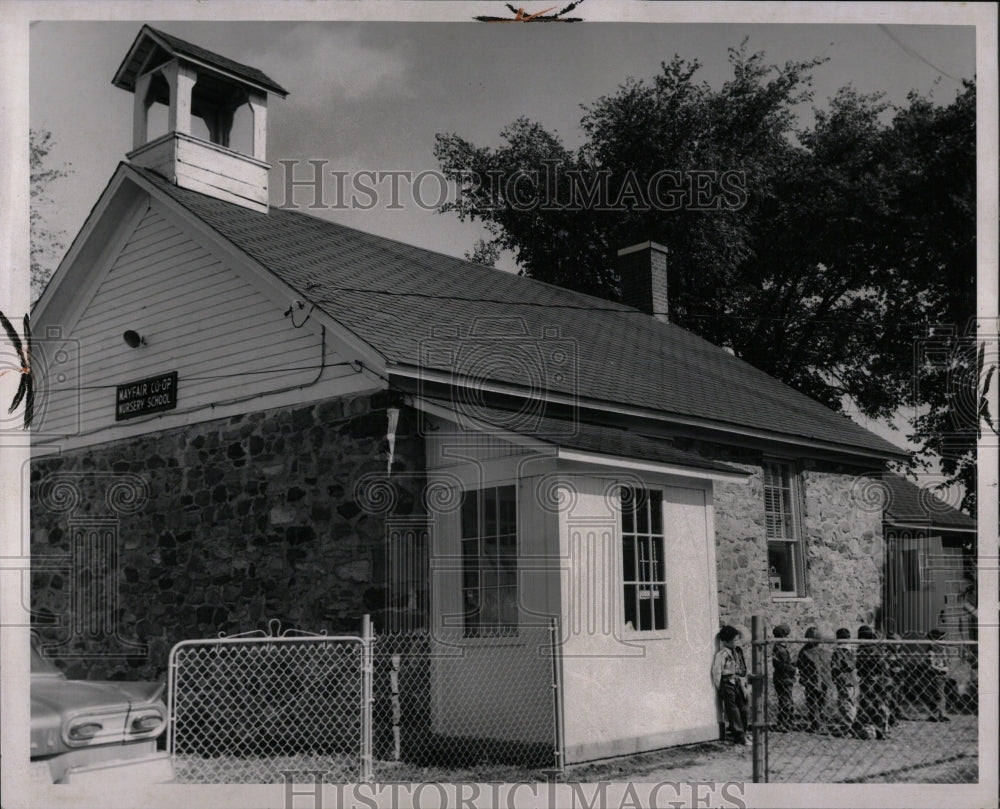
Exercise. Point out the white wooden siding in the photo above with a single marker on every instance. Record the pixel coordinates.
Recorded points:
(206, 167)
(200, 317)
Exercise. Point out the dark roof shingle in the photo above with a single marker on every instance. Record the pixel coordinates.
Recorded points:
(407, 302)
(908, 503)
(588, 437)
(149, 37)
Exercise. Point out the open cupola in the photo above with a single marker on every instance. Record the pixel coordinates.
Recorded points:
(199, 119)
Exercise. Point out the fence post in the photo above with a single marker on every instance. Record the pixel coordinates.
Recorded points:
(557, 693)
(396, 716)
(757, 680)
(171, 699)
(366, 698)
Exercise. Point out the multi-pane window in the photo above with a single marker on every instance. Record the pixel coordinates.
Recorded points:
(784, 540)
(643, 573)
(489, 561)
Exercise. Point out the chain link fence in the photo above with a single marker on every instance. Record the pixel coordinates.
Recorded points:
(247, 709)
(447, 701)
(868, 710)
(267, 708)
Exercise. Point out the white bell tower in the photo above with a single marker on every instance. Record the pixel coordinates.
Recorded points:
(212, 112)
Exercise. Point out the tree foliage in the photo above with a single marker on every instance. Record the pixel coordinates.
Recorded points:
(46, 244)
(840, 245)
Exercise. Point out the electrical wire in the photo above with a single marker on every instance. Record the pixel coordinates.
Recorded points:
(620, 308)
(356, 365)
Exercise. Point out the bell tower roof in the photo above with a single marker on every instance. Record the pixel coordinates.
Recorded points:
(153, 47)
(199, 119)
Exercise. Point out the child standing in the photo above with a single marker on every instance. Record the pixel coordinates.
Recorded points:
(873, 678)
(784, 679)
(937, 665)
(813, 678)
(729, 671)
(896, 657)
(842, 670)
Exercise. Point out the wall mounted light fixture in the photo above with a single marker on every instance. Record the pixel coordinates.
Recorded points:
(133, 339)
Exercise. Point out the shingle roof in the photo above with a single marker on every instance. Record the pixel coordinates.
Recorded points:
(589, 437)
(149, 38)
(914, 505)
(420, 308)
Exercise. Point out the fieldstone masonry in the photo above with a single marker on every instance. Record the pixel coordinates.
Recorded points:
(844, 546)
(244, 520)
(282, 514)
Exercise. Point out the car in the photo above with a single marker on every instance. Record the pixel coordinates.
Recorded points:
(87, 731)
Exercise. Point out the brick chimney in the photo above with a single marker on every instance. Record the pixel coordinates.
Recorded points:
(642, 271)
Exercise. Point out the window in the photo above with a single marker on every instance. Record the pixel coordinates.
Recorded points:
(489, 561)
(781, 518)
(643, 574)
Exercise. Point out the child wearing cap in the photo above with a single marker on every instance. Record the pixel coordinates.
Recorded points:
(729, 672)
(784, 679)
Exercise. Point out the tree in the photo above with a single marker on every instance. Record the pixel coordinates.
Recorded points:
(937, 212)
(46, 244)
(820, 254)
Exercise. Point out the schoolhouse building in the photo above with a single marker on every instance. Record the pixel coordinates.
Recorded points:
(252, 413)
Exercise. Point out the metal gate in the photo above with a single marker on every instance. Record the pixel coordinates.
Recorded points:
(249, 708)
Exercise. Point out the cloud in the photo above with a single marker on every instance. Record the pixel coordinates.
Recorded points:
(318, 60)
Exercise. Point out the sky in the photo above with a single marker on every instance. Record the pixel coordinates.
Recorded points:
(372, 96)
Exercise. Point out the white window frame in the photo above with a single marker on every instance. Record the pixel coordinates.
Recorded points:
(482, 569)
(790, 515)
(637, 583)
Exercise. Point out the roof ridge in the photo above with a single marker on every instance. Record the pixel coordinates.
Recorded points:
(622, 359)
(198, 52)
(603, 303)
(615, 305)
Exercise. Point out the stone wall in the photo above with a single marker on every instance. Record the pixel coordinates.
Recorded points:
(844, 546)
(225, 525)
(219, 526)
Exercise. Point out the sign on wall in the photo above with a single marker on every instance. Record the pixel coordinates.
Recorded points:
(146, 396)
